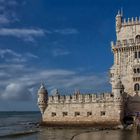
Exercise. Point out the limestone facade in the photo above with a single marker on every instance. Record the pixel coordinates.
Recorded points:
(126, 52)
(105, 108)
(83, 109)
(126, 65)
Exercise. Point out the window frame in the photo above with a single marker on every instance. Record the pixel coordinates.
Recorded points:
(136, 87)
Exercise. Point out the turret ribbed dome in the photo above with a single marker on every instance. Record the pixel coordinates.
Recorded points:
(42, 89)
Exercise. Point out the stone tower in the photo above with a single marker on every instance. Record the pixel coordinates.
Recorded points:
(118, 21)
(126, 52)
(118, 89)
(42, 98)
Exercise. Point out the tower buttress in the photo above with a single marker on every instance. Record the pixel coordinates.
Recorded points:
(42, 98)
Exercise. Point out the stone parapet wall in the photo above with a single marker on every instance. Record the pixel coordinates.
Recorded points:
(131, 21)
(81, 98)
(86, 112)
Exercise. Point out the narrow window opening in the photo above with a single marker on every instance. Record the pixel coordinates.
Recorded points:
(65, 114)
(135, 54)
(102, 113)
(139, 54)
(138, 70)
(136, 87)
(89, 113)
(53, 114)
(77, 113)
(137, 39)
(134, 70)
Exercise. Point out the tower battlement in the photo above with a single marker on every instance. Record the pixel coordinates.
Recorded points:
(130, 21)
(127, 29)
(82, 98)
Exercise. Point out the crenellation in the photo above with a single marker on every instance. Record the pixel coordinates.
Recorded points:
(130, 22)
(100, 96)
(56, 98)
(81, 98)
(87, 98)
(74, 98)
(50, 100)
(136, 20)
(62, 99)
(68, 99)
(124, 21)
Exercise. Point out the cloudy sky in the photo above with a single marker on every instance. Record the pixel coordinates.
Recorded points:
(65, 43)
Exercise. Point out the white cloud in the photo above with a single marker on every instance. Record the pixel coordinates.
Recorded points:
(4, 52)
(14, 66)
(21, 81)
(16, 60)
(4, 19)
(60, 52)
(12, 3)
(56, 72)
(7, 11)
(29, 34)
(26, 34)
(9, 55)
(66, 31)
(31, 55)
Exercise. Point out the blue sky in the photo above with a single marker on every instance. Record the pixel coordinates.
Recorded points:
(65, 43)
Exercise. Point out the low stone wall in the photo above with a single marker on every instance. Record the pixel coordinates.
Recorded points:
(109, 124)
(83, 113)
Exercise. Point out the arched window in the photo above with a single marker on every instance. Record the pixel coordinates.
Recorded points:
(139, 54)
(135, 54)
(138, 70)
(137, 39)
(136, 87)
(134, 70)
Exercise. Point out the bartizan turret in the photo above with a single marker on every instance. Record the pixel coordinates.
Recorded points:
(42, 98)
(118, 89)
(118, 21)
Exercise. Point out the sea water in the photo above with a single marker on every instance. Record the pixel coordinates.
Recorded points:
(23, 126)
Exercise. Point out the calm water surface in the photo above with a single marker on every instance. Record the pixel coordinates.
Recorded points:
(22, 126)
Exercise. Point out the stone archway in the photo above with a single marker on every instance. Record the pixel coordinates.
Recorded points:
(128, 120)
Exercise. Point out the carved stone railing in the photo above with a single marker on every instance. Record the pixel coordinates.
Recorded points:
(81, 98)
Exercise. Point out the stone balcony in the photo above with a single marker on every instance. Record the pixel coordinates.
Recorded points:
(136, 75)
(124, 43)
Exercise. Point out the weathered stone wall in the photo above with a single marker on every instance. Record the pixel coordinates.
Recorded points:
(83, 110)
